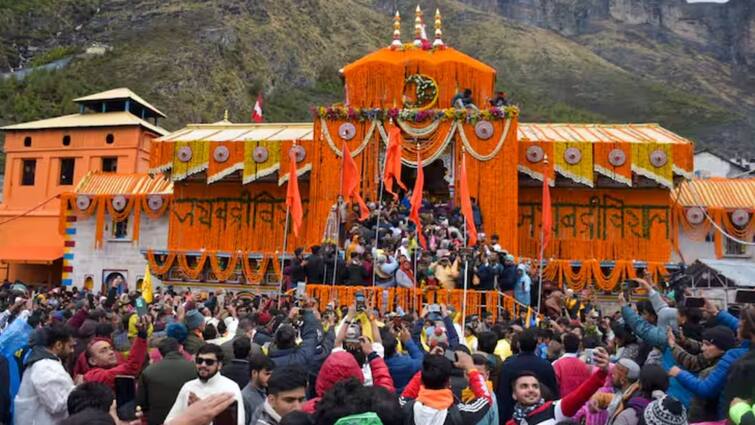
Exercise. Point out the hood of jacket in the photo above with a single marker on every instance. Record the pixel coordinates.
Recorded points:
(337, 367)
(426, 415)
(39, 352)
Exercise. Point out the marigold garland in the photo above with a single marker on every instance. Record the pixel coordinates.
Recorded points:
(340, 112)
(160, 269)
(220, 273)
(191, 272)
(254, 277)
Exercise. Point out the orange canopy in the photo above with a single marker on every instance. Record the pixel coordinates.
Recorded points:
(30, 254)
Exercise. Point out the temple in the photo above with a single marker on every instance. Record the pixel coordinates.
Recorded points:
(220, 203)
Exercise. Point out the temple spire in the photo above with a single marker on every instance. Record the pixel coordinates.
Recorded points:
(418, 27)
(396, 30)
(438, 32)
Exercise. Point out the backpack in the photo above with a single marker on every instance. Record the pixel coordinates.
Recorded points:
(453, 417)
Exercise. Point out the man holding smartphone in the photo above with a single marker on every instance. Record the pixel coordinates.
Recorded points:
(209, 361)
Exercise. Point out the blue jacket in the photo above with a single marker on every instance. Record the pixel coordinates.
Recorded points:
(712, 385)
(13, 338)
(403, 367)
(311, 331)
(657, 337)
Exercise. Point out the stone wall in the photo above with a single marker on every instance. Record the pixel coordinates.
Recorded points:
(115, 255)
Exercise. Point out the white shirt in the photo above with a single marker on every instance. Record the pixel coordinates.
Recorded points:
(215, 385)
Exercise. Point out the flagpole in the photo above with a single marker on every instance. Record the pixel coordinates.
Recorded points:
(542, 247)
(338, 215)
(379, 211)
(285, 241)
(466, 267)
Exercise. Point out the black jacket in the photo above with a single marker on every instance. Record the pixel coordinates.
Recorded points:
(237, 370)
(314, 269)
(508, 278)
(513, 365)
(356, 275)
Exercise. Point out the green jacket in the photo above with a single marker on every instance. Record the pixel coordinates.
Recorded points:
(160, 383)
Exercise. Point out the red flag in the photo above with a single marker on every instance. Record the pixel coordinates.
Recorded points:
(350, 182)
(547, 218)
(416, 202)
(257, 111)
(393, 162)
(293, 197)
(466, 204)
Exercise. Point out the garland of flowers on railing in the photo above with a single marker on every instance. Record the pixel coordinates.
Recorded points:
(191, 272)
(340, 112)
(478, 156)
(220, 272)
(160, 269)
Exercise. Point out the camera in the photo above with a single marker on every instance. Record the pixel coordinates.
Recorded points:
(361, 306)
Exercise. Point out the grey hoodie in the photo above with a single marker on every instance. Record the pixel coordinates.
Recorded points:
(666, 315)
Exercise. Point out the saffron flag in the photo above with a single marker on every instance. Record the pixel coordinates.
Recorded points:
(293, 197)
(416, 203)
(393, 162)
(147, 290)
(350, 182)
(466, 204)
(547, 217)
(257, 111)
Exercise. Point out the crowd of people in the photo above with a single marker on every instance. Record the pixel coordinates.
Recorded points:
(76, 357)
(351, 256)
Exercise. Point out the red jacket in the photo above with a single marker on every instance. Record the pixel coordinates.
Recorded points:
(131, 367)
(342, 365)
(570, 373)
(553, 412)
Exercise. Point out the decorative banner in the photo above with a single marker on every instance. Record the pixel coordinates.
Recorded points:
(254, 170)
(363, 134)
(302, 167)
(161, 157)
(198, 161)
(536, 169)
(607, 158)
(431, 146)
(499, 133)
(599, 224)
(642, 163)
(683, 155)
(579, 167)
(230, 217)
(227, 158)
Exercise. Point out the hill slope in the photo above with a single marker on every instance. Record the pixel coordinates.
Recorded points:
(560, 60)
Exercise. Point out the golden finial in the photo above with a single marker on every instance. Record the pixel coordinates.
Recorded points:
(396, 30)
(418, 26)
(438, 32)
(225, 115)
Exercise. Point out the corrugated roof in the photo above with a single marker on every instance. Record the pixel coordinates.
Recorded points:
(596, 133)
(30, 254)
(224, 131)
(717, 193)
(100, 119)
(741, 272)
(119, 93)
(99, 183)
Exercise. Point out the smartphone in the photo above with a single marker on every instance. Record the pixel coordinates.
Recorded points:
(588, 355)
(125, 397)
(229, 416)
(301, 290)
(745, 296)
(433, 308)
(141, 307)
(361, 306)
(694, 302)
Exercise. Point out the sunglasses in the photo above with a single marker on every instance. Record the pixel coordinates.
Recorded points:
(208, 362)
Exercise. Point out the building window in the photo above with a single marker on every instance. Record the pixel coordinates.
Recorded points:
(734, 248)
(28, 172)
(110, 164)
(66, 171)
(27, 141)
(66, 140)
(120, 229)
(109, 139)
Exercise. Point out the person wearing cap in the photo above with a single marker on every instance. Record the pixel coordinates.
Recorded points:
(624, 386)
(707, 387)
(509, 276)
(195, 323)
(665, 410)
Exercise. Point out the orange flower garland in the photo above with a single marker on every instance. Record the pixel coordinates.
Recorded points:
(223, 273)
(160, 269)
(191, 272)
(254, 277)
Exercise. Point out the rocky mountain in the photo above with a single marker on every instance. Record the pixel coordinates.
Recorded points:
(688, 66)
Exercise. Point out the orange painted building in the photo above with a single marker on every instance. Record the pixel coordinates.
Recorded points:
(45, 158)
